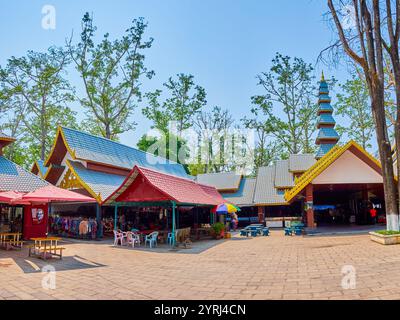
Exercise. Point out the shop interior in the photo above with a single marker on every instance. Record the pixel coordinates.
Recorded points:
(349, 204)
(11, 218)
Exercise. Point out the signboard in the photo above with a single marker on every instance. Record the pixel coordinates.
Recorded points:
(37, 215)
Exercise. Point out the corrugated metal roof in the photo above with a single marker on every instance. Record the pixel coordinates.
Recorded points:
(245, 195)
(15, 178)
(100, 183)
(326, 118)
(283, 177)
(301, 162)
(221, 181)
(265, 191)
(181, 190)
(327, 133)
(101, 150)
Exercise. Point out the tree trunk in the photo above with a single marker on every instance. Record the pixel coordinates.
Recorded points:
(389, 185)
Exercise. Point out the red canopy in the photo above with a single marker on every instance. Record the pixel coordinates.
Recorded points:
(146, 185)
(51, 193)
(8, 196)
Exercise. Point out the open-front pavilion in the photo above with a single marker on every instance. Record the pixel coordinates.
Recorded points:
(148, 188)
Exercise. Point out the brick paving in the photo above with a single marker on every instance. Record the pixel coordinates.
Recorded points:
(277, 267)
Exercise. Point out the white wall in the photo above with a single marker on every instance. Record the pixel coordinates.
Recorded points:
(348, 168)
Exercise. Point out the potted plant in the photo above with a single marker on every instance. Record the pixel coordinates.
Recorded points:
(386, 237)
(218, 230)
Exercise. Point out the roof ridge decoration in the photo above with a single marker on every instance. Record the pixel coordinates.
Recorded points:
(323, 164)
(327, 136)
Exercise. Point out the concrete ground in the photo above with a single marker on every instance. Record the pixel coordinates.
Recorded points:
(276, 267)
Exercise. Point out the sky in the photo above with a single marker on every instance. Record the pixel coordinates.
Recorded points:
(223, 43)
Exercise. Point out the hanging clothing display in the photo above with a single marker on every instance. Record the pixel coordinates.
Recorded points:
(73, 227)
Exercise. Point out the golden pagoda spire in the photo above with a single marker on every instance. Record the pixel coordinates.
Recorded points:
(322, 76)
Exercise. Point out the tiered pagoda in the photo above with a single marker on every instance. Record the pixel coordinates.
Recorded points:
(327, 135)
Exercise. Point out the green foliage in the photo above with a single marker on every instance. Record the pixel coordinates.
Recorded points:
(354, 104)
(111, 71)
(284, 117)
(160, 146)
(388, 233)
(185, 99)
(218, 228)
(213, 129)
(37, 94)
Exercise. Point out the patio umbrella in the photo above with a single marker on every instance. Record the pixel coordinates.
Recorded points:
(226, 208)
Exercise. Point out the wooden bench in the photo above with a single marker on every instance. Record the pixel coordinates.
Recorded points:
(11, 240)
(46, 248)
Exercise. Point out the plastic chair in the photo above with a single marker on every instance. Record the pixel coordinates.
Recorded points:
(151, 239)
(288, 231)
(132, 239)
(118, 237)
(170, 238)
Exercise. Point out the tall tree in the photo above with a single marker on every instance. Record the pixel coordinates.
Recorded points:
(266, 149)
(38, 81)
(111, 72)
(213, 129)
(288, 103)
(185, 100)
(353, 104)
(364, 45)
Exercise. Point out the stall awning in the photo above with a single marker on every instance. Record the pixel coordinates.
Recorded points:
(145, 185)
(53, 194)
(9, 196)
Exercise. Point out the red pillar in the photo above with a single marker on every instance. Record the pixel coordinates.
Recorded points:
(261, 216)
(309, 206)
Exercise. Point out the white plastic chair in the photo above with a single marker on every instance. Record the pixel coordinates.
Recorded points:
(132, 239)
(118, 237)
(151, 239)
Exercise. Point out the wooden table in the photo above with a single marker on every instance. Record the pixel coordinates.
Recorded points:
(44, 246)
(11, 240)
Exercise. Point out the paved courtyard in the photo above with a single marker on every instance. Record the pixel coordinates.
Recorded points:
(277, 267)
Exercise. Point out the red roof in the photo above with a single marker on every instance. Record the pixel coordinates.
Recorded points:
(51, 193)
(146, 185)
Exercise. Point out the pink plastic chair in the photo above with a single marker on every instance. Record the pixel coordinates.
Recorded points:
(132, 238)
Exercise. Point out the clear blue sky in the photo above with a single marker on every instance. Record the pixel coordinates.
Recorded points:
(223, 43)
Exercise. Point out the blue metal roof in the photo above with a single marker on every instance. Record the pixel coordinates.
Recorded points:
(101, 150)
(15, 178)
(323, 149)
(326, 118)
(324, 97)
(100, 183)
(327, 133)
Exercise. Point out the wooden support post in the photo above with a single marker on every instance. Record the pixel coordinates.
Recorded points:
(261, 215)
(309, 206)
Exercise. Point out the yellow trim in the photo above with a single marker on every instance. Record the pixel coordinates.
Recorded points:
(7, 139)
(47, 172)
(71, 152)
(83, 183)
(322, 164)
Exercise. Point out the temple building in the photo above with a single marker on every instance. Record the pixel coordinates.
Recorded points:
(98, 167)
(337, 185)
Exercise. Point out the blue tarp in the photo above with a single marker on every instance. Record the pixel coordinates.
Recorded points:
(323, 207)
